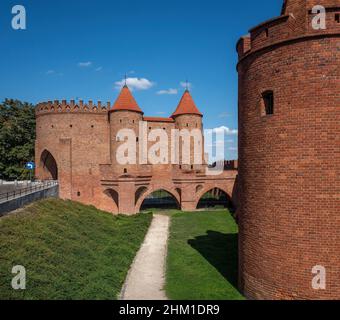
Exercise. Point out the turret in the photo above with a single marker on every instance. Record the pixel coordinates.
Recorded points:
(125, 114)
(187, 116)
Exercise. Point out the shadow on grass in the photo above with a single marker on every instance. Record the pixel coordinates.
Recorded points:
(221, 251)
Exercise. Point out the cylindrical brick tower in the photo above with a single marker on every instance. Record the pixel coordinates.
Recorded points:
(188, 117)
(125, 115)
(289, 152)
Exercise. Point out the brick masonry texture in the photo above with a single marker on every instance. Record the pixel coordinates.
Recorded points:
(289, 162)
(77, 144)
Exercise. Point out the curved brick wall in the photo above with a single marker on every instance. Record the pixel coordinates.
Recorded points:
(78, 139)
(289, 163)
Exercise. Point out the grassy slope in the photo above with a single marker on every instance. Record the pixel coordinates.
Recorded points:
(69, 250)
(202, 256)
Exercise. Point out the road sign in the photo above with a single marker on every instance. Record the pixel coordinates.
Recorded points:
(30, 165)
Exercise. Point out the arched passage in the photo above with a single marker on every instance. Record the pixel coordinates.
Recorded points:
(48, 166)
(139, 193)
(113, 200)
(159, 199)
(214, 197)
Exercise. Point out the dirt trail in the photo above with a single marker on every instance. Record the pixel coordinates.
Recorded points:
(146, 278)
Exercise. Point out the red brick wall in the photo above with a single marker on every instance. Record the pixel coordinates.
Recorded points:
(289, 169)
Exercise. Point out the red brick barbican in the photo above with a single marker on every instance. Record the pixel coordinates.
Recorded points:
(77, 142)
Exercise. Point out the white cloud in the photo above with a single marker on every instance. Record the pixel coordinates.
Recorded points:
(186, 85)
(168, 91)
(99, 69)
(160, 112)
(135, 84)
(224, 115)
(85, 64)
(226, 130)
(53, 73)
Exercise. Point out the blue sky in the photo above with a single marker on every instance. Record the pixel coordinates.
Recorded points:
(80, 49)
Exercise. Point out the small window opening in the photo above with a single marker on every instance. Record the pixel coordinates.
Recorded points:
(78, 193)
(267, 32)
(125, 170)
(92, 126)
(337, 17)
(137, 139)
(71, 125)
(268, 100)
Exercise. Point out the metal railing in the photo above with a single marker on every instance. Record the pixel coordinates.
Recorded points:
(6, 196)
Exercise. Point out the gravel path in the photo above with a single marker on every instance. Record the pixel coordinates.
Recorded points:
(146, 278)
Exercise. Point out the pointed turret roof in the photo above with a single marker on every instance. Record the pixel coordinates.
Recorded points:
(126, 101)
(186, 106)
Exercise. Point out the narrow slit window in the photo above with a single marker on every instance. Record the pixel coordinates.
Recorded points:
(337, 17)
(268, 101)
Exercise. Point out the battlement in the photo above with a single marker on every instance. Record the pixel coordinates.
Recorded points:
(64, 107)
(295, 22)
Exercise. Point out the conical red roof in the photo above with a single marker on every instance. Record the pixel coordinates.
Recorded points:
(126, 101)
(186, 106)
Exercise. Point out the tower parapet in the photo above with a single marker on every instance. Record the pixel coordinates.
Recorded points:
(65, 106)
(294, 24)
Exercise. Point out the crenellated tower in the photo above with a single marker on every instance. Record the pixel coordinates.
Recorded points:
(289, 162)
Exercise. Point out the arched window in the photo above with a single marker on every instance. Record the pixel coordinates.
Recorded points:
(268, 102)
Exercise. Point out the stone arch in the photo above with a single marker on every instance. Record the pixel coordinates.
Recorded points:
(48, 166)
(172, 192)
(113, 195)
(139, 192)
(199, 187)
(205, 190)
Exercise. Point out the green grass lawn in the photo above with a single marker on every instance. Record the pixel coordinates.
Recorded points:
(69, 250)
(202, 256)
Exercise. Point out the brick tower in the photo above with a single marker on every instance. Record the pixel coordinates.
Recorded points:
(289, 154)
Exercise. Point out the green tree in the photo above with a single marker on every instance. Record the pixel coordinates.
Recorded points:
(17, 136)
